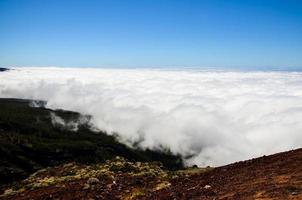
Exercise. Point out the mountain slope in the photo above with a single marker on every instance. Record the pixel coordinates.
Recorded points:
(276, 176)
(72, 162)
(3, 69)
(32, 138)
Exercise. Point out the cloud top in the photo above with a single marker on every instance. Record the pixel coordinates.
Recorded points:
(215, 116)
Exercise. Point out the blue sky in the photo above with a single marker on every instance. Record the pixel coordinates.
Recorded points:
(141, 33)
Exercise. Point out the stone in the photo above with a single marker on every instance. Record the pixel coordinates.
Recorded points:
(86, 186)
(93, 181)
(207, 187)
(9, 192)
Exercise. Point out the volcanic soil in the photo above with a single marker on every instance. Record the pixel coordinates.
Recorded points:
(277, 176)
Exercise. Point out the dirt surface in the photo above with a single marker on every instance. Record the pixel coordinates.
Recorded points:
(277, 176)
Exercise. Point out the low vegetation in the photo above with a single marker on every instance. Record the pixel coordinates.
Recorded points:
(130, 179)
(30, 141)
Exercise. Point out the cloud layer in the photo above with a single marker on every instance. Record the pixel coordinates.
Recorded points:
(217, 116)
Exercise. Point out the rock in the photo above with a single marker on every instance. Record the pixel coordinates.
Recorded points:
(39, 172)
(93, 181)
(68, 165)
(207, 187)
(21, 190)
(86, 186)
(9, 192)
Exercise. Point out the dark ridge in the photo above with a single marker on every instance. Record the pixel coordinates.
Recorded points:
(29, 141)
(32, 103)
(3, 69)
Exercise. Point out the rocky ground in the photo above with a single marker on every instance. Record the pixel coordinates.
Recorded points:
(115, 179)
(277, 176)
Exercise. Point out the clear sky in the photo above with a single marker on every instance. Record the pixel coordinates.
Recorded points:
(134, 33)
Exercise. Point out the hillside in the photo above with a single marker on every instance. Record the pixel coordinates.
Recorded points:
(50, 161)
(33, 137)
(276, 176)
(271, 177)
(3, 69)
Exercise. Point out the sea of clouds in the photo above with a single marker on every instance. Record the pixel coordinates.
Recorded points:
(217, 116)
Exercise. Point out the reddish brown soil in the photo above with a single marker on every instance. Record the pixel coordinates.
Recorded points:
(277, 176)
(120, 189)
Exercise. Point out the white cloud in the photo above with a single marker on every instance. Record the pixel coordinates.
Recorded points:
(218, 116)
